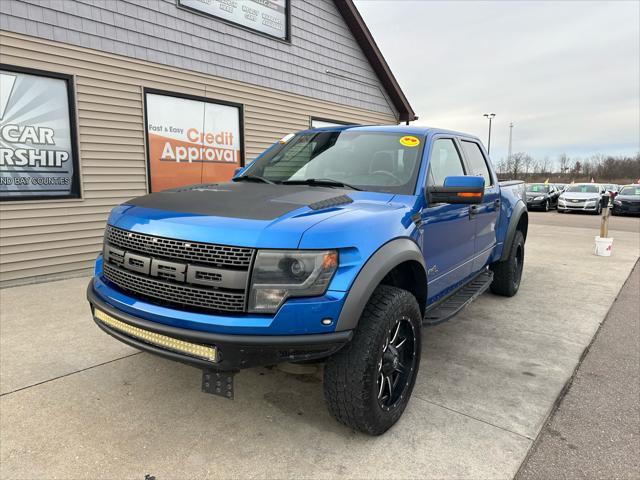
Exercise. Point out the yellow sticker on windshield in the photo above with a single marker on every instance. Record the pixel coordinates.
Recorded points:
(410, 141)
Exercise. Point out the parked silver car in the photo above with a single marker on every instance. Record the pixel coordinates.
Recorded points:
(582, 197)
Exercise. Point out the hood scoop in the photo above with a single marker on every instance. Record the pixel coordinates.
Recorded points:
(331, 202)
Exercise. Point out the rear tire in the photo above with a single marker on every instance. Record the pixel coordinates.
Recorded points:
(507, 274)
(362, 388)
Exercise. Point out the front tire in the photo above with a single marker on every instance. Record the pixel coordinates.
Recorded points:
(598, 209)
(507, 274)
(546, 206)
(367, 384)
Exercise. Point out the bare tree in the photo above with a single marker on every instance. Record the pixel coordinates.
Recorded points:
(603, 168)
(564, 163)
(517, 164)
(545, 166)
(536, 167)
(527, 163)
(577, 168)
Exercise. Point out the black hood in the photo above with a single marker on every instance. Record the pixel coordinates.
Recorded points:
(249, 200)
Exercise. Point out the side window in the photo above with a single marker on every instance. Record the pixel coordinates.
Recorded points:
(444, 162)
(476, 160)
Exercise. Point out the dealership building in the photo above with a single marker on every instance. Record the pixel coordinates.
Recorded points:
(105, 100)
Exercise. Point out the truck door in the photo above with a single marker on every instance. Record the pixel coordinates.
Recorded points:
(486, 213)
(448, 230)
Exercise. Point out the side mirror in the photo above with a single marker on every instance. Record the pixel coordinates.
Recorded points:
(467, 189)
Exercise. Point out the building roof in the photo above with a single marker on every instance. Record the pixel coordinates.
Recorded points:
(368, 45)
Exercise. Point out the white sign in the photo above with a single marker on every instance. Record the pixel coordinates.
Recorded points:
(317, 123)
(266, 16)
(191, 141)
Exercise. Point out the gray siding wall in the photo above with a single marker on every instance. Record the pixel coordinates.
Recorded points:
(160, 32)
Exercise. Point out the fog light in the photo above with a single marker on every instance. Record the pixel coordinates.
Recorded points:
(326, 321)
(268, 299)
(170, 343)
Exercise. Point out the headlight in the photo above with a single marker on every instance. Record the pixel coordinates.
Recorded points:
(538, 198)
(617, 202)
(280, 274)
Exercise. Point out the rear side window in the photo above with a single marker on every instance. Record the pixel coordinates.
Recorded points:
(444, 162)
(477, 162)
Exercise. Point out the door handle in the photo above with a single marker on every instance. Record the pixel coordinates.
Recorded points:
(473, 210)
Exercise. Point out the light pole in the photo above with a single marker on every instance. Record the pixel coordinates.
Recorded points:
(510, 138)
(490, 117)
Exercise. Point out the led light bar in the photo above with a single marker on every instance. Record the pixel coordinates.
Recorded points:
(170, 343)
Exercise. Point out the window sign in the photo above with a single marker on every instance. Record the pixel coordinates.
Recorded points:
(191, 141)
(321, 123)
(265, 16)
(37, 136)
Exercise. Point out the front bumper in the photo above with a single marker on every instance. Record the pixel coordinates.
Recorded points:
(626, 209)
(234, 352)
(588, 206)
(535, 203)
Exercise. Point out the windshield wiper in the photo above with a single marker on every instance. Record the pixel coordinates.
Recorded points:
(320, 182)
(252, 178)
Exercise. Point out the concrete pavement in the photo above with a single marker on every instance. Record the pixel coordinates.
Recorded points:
(75, 403)
(595, 431)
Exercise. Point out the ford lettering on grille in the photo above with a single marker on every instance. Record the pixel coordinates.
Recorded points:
(208, 287)
(178, 272)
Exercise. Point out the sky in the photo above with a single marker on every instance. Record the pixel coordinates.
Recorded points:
(566, 73)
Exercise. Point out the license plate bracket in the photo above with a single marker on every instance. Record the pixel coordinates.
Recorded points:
(218, 383)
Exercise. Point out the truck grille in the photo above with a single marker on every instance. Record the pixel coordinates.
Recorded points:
(178, 273)
(174, 294)
(219, 255)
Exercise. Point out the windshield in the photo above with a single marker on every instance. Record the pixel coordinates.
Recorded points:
(375, 161)
(583, 188)
(537, 187)
(630, 191)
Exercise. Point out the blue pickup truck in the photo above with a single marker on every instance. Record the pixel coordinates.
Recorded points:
(335, 245)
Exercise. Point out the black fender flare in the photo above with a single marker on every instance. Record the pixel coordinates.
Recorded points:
(385, 259)
(519, 209)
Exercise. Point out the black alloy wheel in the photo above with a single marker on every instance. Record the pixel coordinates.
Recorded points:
(396, 364)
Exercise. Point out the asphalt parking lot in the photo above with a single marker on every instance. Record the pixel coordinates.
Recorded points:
(77, 404)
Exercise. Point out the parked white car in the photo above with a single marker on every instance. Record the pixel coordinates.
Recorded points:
(582, 197)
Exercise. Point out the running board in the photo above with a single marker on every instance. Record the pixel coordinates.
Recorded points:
(454, 303)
